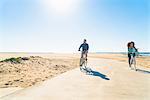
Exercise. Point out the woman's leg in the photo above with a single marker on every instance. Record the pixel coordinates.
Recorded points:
(129, 60)
(134, 60)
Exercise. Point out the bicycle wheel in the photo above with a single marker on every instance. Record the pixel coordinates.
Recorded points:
(85, 63)
(81, 62)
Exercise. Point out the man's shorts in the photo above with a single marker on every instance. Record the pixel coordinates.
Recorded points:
(84, 52)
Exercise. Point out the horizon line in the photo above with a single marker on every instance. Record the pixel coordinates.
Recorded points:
(76, 52)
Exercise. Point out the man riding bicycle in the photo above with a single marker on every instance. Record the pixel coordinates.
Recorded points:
(85, 48)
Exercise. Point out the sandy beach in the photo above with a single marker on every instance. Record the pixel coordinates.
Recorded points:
(34, 69)
(41, 67)
(143, 61)
(111, 80)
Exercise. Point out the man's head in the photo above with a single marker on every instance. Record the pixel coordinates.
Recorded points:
(84, 41)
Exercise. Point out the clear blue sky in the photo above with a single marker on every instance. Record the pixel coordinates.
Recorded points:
(61, 25)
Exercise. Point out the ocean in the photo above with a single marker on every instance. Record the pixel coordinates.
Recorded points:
(140, 53)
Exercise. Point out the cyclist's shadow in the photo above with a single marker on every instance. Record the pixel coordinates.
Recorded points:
(143, 71)
(96, 73)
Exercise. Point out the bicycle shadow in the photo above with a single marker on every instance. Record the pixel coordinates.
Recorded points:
(96, 73)
(143, 71)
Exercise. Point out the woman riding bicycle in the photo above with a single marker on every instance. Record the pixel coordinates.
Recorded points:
(132, 53)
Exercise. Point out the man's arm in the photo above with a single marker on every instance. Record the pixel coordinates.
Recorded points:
(87, 47)
(80, 47)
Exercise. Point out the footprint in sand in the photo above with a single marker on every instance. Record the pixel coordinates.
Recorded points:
(38, 79)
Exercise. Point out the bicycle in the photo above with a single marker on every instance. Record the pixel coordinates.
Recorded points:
(83, 65)
(133, 61)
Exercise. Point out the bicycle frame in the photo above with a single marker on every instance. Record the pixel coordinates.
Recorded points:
(133, 61)
(83, 61)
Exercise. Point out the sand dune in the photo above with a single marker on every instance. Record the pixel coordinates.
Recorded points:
(32, 71)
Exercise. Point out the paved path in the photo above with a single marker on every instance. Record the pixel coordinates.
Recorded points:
(112, 80)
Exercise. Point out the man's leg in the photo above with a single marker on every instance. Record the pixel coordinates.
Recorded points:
(82, 54)
(81, 58)
(86, 55)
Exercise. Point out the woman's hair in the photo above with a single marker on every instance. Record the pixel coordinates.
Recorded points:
(133, 44)
(128, 45)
